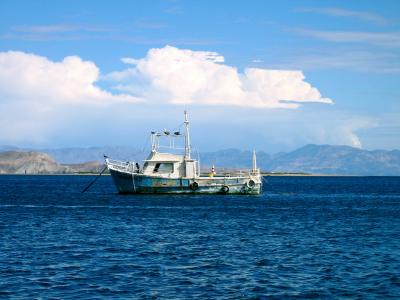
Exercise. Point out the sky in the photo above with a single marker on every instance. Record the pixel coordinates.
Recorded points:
(265, 75)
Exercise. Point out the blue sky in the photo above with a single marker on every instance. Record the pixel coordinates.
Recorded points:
(105, 73)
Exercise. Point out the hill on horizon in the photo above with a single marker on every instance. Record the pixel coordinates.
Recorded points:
(18, 162)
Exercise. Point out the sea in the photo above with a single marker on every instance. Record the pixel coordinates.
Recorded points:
(303, 238)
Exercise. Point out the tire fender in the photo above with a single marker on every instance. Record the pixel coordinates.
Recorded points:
(194, 186)
(225, 189)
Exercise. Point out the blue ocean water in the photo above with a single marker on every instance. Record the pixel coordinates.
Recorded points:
(304, 237)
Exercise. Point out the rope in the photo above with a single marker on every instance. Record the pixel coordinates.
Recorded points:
(97, 177)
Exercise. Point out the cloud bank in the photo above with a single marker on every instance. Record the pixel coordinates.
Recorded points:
(37, 93)
(180, 76)
(166, 75)
(43, 101)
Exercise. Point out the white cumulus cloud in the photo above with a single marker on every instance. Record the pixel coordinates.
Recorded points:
(32, 77)
(181, 76)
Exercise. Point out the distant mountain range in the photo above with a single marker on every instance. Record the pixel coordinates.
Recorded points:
(316, 159)
(16, 162)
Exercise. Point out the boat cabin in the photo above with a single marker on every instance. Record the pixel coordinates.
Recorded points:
(169, 165)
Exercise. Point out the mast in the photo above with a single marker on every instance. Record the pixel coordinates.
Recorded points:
(153, 141)
(254, 161)
(187, 137)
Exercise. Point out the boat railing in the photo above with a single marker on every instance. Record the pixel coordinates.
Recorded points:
(244, 172)
(236, 173)
(124, 166)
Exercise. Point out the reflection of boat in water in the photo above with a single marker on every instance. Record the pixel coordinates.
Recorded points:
(174, 173)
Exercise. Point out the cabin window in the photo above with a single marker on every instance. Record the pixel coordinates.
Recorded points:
(164, 168)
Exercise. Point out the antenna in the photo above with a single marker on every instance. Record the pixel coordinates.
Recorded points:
(187, 137)
(198, 163)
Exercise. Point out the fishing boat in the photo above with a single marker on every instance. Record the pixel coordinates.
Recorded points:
(178, 173)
